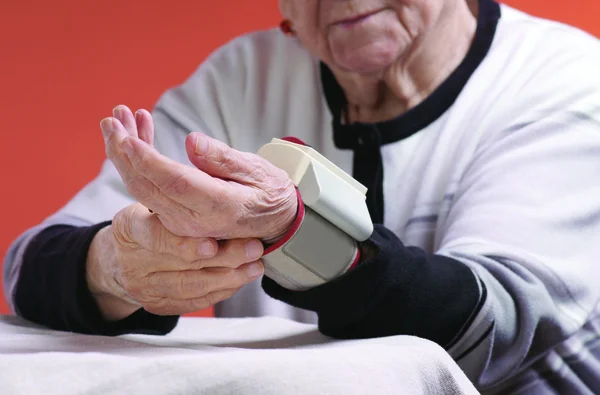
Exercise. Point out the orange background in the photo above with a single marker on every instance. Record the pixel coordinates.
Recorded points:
(65, 63)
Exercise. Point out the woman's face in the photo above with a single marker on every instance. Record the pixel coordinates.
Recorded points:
(360, 36)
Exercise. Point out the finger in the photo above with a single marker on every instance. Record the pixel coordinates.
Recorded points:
(114, 135)
(219, 160)
(145, 126)
(194, 284)
(124, 115)
(180, 307)
(234, 253)
(149, 232)
(116, 141)
(184, 184)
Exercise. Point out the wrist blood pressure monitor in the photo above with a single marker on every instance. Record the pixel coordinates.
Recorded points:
(332, 218)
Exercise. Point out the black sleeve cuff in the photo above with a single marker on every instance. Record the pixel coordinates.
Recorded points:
(52, 288)
(399, 291)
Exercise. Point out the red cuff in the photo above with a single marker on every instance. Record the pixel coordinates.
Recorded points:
(356, 260)
(294, 140)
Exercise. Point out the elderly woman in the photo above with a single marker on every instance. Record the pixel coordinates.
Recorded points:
(476, 130)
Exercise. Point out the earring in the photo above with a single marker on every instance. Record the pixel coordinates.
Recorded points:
(287, 28)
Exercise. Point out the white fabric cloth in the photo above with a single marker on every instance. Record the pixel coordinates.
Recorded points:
(505, 181)
(221, 356)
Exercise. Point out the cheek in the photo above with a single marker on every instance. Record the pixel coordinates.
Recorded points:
(313, 41)
(423, 12)
(305, 18)
(418, 15)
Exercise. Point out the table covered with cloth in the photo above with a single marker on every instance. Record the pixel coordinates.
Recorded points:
(221, 356)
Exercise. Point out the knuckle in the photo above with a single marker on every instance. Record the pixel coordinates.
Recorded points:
(279, 193)
(157, 280)
(234, 250)
(256, 168)
(240, 278)
(243, 214)
(198, 264)
(131, 281)
(190, 257)
(158, 238)
(183, 283)
(154, 286)
(202, 285)
(181, 247)
(227, 158)
(231, 277)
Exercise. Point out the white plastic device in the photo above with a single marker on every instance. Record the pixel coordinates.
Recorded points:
(324, 187)
(333, 217)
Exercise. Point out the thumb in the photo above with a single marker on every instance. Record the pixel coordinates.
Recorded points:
(219, 160)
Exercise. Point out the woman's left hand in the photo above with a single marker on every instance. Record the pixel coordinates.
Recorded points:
(230, 195)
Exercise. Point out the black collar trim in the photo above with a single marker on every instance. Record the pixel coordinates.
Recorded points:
(352, 136)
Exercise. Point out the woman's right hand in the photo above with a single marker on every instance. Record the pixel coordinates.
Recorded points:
(137, 263)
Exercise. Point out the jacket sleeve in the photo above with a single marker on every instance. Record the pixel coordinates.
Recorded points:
(515, 272)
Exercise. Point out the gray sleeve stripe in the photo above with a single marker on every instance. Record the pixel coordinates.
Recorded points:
(482, 299)
(478, 342)
(567, 118)
(424, 219)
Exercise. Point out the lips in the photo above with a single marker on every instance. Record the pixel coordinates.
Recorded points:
(356, 19)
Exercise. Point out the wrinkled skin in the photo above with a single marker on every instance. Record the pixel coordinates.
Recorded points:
(231, 194)
(138, 263)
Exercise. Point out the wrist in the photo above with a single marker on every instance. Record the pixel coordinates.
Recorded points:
(290, 216)
(101, 256)
(100, 250)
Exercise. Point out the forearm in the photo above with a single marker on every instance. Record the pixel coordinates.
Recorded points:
(52, 287)
(396, 290)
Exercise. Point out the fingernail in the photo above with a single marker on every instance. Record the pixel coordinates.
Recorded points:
(207, 249)
(117, 112)
(106, 124)
(254, 249)
(201, 145)
(254, 270)
(138, 115)
(128, 148)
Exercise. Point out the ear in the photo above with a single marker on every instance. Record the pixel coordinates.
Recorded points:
(285, 8)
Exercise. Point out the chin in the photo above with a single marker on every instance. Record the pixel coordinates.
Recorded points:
(368, 60)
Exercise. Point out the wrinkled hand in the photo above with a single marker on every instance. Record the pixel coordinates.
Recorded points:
(137, 263)
(230, 195)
